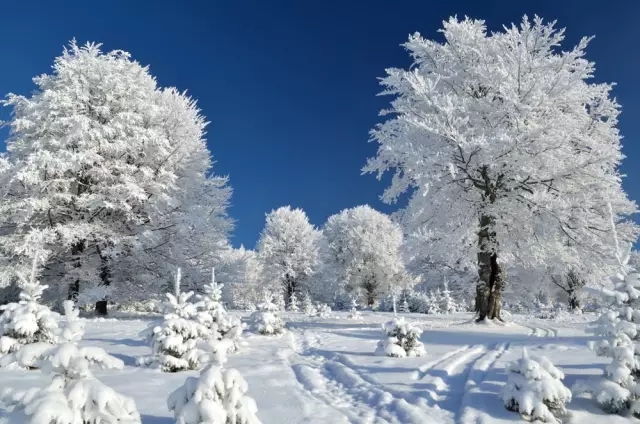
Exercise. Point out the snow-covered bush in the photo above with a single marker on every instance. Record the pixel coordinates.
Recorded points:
(174, 342)
(619, 390)
(433, 303)
(266, 319)
(27, 321)
(354, 313)
(447, 304)
(293, 303)
(217, 396)
(213, 315)
(535, 390)
(307, 305)
(73, 396)
(401, 339)
(323, 310)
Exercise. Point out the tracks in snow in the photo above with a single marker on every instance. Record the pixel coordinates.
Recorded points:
(540, 331)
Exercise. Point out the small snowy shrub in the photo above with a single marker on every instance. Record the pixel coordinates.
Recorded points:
(307, 305)
(218, 396)
(73, 396)
(323, 310)
(535, 390)
(401, 339)
(293, 303)
(174, 343)
(354, 313)
(27, 321)
(433, 304)
(447, 304)
(266, 320)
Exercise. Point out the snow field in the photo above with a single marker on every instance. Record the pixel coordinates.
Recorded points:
(326, 371)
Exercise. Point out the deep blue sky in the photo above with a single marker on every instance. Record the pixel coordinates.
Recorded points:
(289, 86)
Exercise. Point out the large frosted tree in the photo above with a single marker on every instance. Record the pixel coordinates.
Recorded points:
(509, 153)
(108, 173)
(288, 250)
(363, 252)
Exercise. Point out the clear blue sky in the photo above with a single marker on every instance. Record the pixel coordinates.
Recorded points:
(289, 86)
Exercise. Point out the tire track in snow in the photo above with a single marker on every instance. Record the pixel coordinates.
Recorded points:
(423, 370)
(477, 376)
(540, 331)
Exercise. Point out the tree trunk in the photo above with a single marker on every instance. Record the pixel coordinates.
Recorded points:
(290, 288)
(105, 278)
(490, 275)
(574, 302)
(74, 288)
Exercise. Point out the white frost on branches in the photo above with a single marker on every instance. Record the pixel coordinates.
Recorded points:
(401, 339)
(266, 319)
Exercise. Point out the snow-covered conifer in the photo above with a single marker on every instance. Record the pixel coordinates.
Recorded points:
(323, 310)
(294, 303)
(27, 321)
(354, 313)
(364, 251)
(486, 189)
(217, 396)
(447, 303)
(288, 250)
(433, 304)
(74, 396)
(174, 342)
(307, 305)
(214, 316)
(535, 390)
(401, 339)
(266, 319)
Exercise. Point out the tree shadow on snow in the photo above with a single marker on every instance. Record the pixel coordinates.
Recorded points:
(460, 338)
(128, 360)
(320, 325)
(152, 419)
(124, 342)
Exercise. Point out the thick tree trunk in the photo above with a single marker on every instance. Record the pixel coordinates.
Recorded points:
(105, 278)
(574, 302)
(490, 275)
(74, 288)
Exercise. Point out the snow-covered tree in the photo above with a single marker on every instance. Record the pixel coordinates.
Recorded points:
(354, 313)
(323, 310)
(535, 390)
(447, 303)
(294, 303)
(27, 321)
(107, 174)
(214, 316)
(74, 395)
(508, 151)
(364, 249)
(266, 319)
(244, 278)
(433, 304)
(218, 395)
(619, 389)
(401, 339)
(307, 305)
(288, 250)
(174, 342)
(571, 284)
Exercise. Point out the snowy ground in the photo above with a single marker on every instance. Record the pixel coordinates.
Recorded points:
(324, 371)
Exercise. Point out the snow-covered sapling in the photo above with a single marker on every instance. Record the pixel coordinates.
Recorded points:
(307, 305)
(447, 304)
(73, 396)
(266, 320)
(401, 339)
(174, 342)
(218, 396)
(535, 390)
(214, 316)
(433, 304)
(354, 313)
(323, 310)
(27, 321)
(293, 303)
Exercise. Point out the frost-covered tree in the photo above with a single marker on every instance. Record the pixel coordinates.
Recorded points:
(535, 390)
(217, 396)
(294, 303)
(354, 313)
(508, 151)
(401, 339)
(244, 278)
(109, 175)
(288, 249)
(447, 303)
(74, 395)
(174, 343)
(364, 250)
(214, 316)
(571, 285)
(619, 389)
(27, 321)
(307, 305)
(433, 304)
(266, 319)
(323, 310)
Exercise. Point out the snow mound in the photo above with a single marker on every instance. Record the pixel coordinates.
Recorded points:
(402, 339)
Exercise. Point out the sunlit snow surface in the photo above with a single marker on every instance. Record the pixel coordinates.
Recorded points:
(326, 371)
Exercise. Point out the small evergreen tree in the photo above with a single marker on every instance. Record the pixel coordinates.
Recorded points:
(307, 305)
(293, 303)
(175, 342)
(433, 304)
(401, 339)
(27, 321)
(266, 319)
(535, 390)
(447, 304)
(323, 310)
(354, 313)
